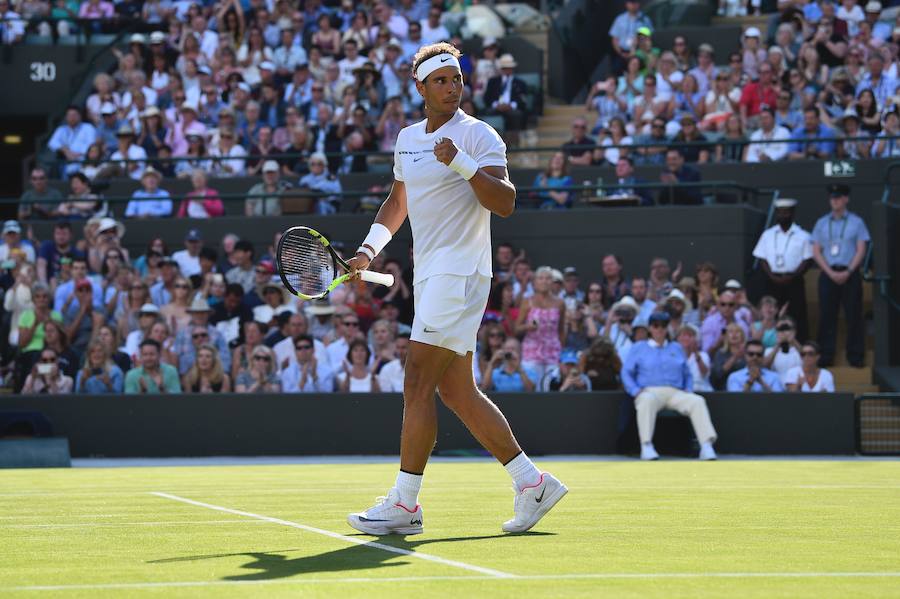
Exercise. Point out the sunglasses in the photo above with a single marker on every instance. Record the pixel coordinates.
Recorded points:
(263, 358)
(754, 354)
(351, 323)
(48, 360)
(657, 325)
(724, 305)
(199, 335)
(300, 347)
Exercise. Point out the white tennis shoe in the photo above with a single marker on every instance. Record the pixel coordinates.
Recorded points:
(388, 517)
(532, 503)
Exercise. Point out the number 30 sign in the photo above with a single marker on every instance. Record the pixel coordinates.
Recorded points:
(42, 71)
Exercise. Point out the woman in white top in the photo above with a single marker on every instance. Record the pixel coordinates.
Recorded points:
(721, 102)
(786, 353)
(356, 377)
(808, 377)
(251, 54)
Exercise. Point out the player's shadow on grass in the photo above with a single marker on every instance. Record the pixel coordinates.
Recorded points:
(271, 565)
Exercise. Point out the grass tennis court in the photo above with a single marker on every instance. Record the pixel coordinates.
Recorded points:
(626, 529)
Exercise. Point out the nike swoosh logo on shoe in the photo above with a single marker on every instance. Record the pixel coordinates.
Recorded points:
(364, 519)
(541, 497)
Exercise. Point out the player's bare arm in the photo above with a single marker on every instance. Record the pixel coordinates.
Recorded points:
(491, 184)
(391, 214)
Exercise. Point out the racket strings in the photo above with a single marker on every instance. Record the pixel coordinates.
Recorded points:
(306, 263)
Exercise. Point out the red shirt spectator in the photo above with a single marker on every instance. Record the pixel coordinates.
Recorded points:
(202, 201)
(758, 93)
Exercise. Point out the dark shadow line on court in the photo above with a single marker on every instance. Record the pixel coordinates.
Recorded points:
(270, 565)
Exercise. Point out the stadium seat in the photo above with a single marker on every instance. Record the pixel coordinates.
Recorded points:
(496, 122)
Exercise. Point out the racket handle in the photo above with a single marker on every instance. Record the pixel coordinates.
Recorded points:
(379, 278)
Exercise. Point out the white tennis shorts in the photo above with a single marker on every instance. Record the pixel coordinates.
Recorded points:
(449, 309)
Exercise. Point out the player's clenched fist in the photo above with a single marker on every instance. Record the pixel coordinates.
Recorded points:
(456, 159)
(445, 150)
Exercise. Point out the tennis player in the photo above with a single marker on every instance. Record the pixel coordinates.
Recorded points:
(449, 176)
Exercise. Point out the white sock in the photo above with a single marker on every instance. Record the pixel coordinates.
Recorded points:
(408, 486)
(706, 445)
(523, 471)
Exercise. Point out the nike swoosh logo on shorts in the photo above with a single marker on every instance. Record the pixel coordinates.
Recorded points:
(429, 331)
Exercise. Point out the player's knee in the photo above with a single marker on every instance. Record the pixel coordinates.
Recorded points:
(417, 386)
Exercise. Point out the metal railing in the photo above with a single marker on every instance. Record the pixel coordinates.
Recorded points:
(632, 148)
(584, 195)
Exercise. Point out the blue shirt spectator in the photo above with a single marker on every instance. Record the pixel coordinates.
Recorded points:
(814, 132)
(95, 384)
(882, 86)
(737, 381)
(624, 28)
(506, 382)
(72, 139)
(319, 180)
(555, 176)
(67, 289)
(292, 375)
(650, 364)
(838, 237)
(753, 377)
(151, 200)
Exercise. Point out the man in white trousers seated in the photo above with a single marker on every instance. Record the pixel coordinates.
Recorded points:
(656, 374)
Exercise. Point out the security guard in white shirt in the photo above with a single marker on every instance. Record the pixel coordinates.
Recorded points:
(785, 252)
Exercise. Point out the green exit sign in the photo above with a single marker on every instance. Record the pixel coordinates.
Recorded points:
(840, 168)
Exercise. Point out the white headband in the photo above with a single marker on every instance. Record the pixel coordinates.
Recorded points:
(434, 63)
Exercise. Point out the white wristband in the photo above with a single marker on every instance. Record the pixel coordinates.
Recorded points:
(378, 237)
(464, 164)
(364, 250)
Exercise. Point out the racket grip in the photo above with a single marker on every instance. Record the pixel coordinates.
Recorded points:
(379, 278)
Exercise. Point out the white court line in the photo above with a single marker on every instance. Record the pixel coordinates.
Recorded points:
(513, 578)
(121, 524)
(340, 537)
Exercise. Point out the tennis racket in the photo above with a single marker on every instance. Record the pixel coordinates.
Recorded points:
(310, 268)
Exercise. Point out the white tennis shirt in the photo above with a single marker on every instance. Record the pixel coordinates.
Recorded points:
(451, 230)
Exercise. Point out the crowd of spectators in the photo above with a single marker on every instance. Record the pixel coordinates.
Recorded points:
(821, 82)
(227, 87)
(85, 316)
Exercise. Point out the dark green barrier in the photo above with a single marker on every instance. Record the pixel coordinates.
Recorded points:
(360, 424)
(579, 238)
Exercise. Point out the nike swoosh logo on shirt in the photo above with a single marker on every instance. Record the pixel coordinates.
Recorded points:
(418, 159)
